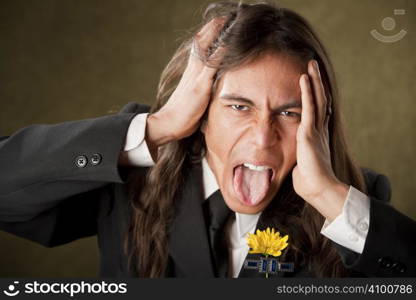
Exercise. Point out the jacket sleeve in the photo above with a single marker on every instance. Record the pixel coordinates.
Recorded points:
(390, 246)
(52, 177)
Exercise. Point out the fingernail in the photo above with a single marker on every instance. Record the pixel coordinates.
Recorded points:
(316, 66)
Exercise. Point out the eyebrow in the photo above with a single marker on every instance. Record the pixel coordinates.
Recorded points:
(293, 103)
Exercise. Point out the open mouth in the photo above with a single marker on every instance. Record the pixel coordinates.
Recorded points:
(252, 182)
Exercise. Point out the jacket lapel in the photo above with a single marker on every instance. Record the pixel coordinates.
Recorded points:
(188, 240)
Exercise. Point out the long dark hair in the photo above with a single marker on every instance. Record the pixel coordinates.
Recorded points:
(251, 30)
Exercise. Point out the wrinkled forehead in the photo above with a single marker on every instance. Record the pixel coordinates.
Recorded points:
(271, 77)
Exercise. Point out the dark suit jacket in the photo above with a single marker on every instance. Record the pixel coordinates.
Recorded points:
(47, 198)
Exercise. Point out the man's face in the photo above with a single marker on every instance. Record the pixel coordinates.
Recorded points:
(251, 128)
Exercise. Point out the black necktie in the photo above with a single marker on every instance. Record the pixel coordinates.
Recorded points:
(217, 213)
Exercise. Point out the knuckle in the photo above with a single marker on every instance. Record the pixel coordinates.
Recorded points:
(310, 134)
(314, 75)
(196, 89)
(201, 86)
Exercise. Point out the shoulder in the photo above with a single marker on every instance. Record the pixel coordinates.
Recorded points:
(378, 185)
(135, 107)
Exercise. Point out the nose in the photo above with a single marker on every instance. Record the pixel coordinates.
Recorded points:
(264, 135)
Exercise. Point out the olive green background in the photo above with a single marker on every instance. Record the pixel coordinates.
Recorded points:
(66, 60)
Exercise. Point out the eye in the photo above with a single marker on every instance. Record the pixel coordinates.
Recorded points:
(290, 114)
(239, 107)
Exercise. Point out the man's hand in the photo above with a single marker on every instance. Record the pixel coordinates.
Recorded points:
(180, 116)
(313, 177)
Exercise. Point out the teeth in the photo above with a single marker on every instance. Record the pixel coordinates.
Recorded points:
(256, 168)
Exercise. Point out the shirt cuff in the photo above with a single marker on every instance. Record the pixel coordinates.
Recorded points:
(350, 228)
(135, 148)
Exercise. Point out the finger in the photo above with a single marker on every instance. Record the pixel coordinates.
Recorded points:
(207, 35)
(210, 32)
(318, 93)
(308, 106)
(210, 69)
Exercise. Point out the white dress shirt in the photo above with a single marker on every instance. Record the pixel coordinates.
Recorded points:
(349, 229)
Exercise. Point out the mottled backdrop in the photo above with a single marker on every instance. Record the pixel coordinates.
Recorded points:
(66, 60)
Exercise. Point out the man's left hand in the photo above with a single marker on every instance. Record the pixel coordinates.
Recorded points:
(313, 177)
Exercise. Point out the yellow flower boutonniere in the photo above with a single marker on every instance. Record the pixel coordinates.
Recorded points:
(267, 242)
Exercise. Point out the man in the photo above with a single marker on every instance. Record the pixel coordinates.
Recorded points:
(261, 127)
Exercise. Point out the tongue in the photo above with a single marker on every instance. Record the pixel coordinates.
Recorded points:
(250, 185)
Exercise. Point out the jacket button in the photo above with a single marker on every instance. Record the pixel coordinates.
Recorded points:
(95, 159)
(398, 268)
(385, 262)
(81, 161)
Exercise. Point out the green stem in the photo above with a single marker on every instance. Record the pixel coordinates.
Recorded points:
(267, 269)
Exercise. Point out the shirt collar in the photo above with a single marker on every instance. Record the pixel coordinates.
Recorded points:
(245, 223)
(208, 178)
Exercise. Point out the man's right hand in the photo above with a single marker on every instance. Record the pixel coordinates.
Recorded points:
(181, 114)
